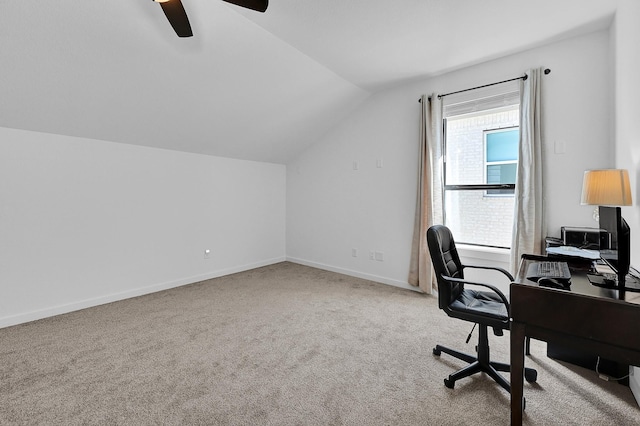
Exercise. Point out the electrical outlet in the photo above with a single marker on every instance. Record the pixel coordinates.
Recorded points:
(207, 253)
(372, 255)
(379, 256)
(354, 252)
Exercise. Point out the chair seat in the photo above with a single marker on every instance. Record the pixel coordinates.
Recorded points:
(480, 303)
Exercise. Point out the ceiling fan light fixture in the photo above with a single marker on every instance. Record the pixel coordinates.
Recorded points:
(161, 1)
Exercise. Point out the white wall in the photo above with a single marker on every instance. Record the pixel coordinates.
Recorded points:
(332, 208)
(627, 125)
(627, 112)
(84, 222)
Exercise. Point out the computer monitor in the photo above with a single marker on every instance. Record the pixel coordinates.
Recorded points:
(615, 242)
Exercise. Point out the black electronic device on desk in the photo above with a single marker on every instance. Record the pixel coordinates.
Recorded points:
(615, 251)
(585, 238)
(551, 274)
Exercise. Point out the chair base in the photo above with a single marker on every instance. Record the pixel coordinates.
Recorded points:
(481, 363)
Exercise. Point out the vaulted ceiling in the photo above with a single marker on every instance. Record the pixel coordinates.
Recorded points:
(247, 85)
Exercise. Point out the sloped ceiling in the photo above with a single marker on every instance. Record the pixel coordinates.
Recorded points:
(254, 86)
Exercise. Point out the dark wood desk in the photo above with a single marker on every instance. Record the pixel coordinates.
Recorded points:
(586, 318)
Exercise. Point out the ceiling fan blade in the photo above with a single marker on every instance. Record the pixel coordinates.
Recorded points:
(259, 5)
(177, 17)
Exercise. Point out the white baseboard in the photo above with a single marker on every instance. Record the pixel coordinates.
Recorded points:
(351, 273)
(88, 303)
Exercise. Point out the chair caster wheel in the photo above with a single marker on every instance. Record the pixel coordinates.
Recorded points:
(449, 383)
(530, 375)
(436, 351)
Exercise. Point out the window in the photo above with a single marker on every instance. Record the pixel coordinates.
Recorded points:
(481, 133)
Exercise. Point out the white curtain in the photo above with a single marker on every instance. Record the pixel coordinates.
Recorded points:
(529, 222)
(429, 197)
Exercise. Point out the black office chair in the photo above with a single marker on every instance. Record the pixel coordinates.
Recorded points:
(486, 309)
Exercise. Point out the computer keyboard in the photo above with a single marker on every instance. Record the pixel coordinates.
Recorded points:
(548, 269)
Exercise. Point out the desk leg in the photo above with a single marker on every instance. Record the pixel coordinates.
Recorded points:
(517, 372)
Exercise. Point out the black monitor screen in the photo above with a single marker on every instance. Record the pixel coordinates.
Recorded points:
(614, 239)
(609, 234)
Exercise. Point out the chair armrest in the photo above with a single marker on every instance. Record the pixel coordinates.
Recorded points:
(489, 286)
(504, 271)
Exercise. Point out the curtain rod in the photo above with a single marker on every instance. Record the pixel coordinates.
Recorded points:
(524, 77)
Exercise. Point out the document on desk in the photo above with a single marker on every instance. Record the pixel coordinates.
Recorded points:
(574, 252)
(603, 269)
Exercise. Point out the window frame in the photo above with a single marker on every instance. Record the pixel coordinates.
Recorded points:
(473, 187)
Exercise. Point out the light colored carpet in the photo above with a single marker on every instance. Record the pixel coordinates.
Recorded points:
(280, 345)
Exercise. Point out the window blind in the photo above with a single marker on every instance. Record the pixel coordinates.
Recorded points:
(501, 95)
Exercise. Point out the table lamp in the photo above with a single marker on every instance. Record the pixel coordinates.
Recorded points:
(606, 187)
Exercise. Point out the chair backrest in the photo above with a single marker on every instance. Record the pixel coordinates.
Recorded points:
(446, 263)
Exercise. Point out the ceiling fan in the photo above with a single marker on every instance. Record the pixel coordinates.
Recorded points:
(175, 13)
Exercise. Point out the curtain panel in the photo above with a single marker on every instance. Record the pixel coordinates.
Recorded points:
(529, 221)
(429, 199)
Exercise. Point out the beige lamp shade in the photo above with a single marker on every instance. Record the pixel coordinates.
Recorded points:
(608, 187)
